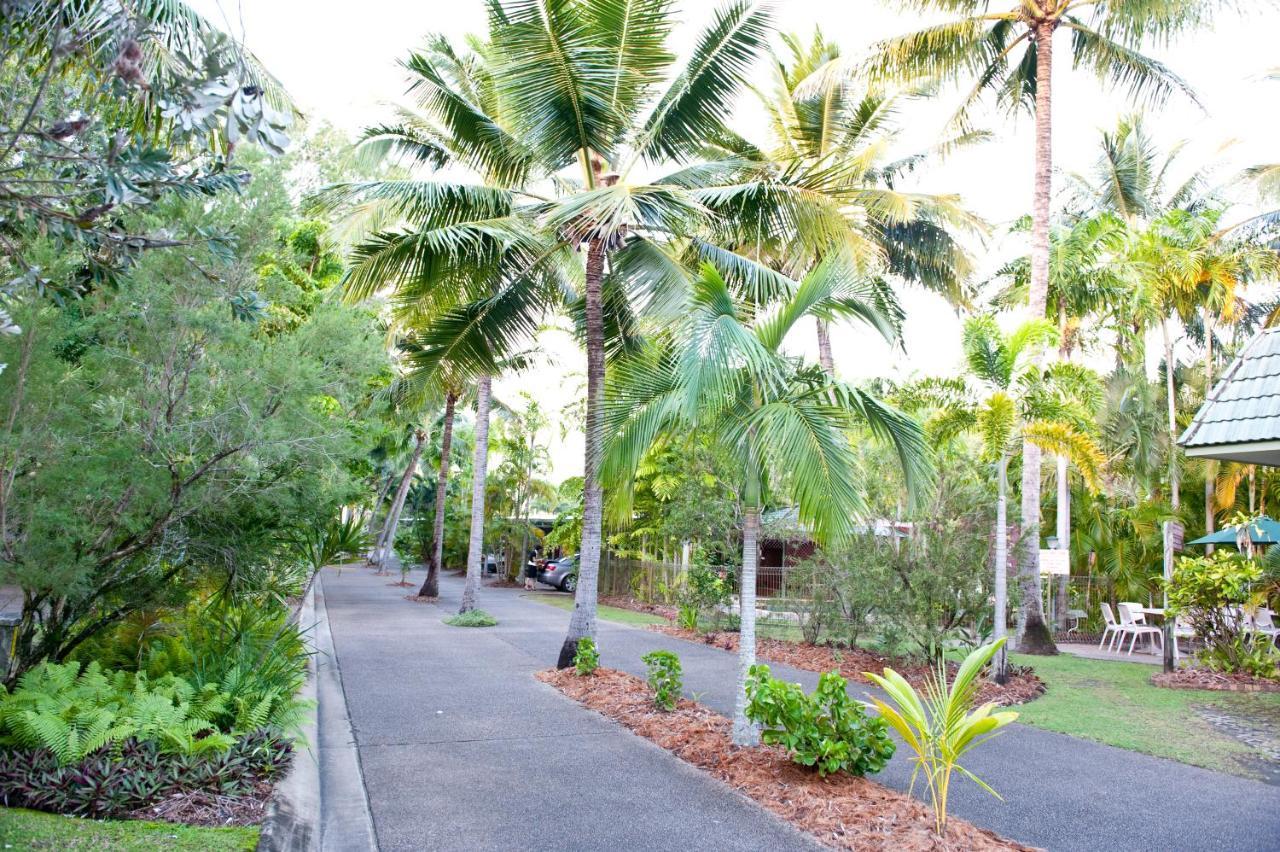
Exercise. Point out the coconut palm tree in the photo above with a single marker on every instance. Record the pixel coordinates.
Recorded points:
(721, 373)
(1009, 55)
(1007, 400)
(824, 124)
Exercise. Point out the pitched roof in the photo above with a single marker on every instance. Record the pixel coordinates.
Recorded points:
(1244, 407)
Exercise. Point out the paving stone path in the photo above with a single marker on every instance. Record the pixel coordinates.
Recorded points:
(461, 748)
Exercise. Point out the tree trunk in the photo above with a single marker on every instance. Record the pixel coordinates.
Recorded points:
(999, 619)
(480, 468)
(388, 537)
(1175, 491)
(744, 732)
(431, 585)
(583, 621)
(1210, 466)
(382, 498)
(1033, 633)
(1064, 539)
(824, 349)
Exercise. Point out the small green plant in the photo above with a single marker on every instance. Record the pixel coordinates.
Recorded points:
(587, 658)
(701, 592)
(664, 678)
(826, 730)
(942, 725)
(471, 618)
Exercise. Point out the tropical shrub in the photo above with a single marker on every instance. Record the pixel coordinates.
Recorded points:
(699, 595)
(942, 725)
(1212, 593)
(664, 678)
(827, 730)
(587, 659)
(326, 544)
(471, 618)
(130, 775)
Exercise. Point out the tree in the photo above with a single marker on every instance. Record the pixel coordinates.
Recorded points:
(1010, 55)
(789, 425)
(830, 136)
(573, 96)
(1009, 400)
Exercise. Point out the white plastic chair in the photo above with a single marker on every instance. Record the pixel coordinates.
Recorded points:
(1264, 623)
(1182, 629)
(1111, 627)
(1132, 623)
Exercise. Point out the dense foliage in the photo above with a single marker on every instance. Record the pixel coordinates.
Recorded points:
(827, 730)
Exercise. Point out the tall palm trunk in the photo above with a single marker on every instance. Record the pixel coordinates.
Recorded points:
(388, 538)
(1175, 490)
(1033, 633)
(1063, 483)
(1210, 467)
(999, 620)
(745, 733)
(583, 621)
(431, 585)
(480, 469)
(824, 348)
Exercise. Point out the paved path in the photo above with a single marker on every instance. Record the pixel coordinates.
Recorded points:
(462, 748)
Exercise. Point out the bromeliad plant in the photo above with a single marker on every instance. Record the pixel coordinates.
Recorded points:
(942, 725)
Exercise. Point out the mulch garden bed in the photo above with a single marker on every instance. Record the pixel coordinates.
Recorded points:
(1022, 686)
(626, 602)
(421, 599)
(213, 810)
(504, 583)
(1196, 678)
(841, 811)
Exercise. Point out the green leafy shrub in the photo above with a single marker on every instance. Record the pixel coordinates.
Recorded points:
(942, 725)
(587, 658)
(827, 730)
(132, 775)
(1209, 591)
(664, 678)
(74, 713)
(701, 593)
(471, 618)
(338, 539)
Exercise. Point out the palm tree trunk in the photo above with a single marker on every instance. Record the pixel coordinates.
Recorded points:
(999, 620)
(1175, 492)
(824, 349)
(1033, 633)
(583, 621)
(1064, 538)
(744, 732)
(1210, 467)
(382, 498)
(480, 469)
(431, 585)
(388, 537)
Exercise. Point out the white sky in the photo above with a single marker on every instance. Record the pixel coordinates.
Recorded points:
(338, 59)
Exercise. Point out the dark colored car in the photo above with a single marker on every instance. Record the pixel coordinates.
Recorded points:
(561, 573)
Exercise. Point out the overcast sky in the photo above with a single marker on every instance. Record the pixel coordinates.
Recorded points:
(339, 62)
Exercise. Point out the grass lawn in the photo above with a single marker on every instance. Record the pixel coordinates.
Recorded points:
(21, 829)
(1112, 702)
(609, 613)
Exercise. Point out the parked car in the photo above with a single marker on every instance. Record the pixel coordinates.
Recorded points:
(561, 573)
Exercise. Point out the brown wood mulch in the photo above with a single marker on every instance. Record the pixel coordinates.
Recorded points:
(627, 602)
(1022, 686)
(1197, 678)
(504, 584)
(209, 809)
(841, 811)
(421, 599)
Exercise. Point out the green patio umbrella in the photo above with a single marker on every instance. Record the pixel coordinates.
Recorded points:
(1261, 530)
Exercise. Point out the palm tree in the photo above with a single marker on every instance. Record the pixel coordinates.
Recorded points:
(1010, 54)
(721, 372)
(1010, 399)
(387, 538)
(825, 128)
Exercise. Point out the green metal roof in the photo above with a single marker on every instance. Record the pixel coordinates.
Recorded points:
(1241, 418)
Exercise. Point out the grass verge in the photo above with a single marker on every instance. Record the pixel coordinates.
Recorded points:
(609, 613)
(22, 829)
(1113, 703)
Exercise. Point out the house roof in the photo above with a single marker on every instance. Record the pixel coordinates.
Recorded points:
(1240, 421)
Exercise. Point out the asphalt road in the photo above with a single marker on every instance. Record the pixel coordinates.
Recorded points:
(462, 748)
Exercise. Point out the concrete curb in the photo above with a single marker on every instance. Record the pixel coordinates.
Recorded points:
(293, 814)
(322, 803)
